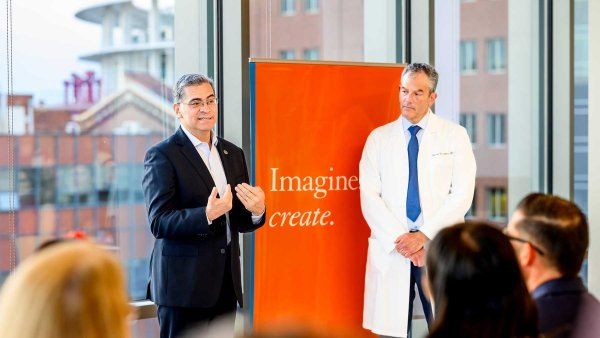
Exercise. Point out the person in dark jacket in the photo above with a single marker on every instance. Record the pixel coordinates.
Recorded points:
(195, 215)
(550, 237)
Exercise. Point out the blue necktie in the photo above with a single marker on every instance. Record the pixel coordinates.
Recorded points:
(413, 207)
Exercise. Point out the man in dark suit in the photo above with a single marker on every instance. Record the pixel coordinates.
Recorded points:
(195, 217)
(550, 237)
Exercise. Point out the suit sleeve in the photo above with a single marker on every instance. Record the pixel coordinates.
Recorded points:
(385, 227)
(459, 200)
(243, 216)
(166, 218)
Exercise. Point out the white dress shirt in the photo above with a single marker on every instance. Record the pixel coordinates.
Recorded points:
(212, 160)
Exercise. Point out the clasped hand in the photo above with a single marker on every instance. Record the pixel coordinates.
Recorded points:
(411, 246)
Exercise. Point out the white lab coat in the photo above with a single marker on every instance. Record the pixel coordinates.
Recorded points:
(447, 169)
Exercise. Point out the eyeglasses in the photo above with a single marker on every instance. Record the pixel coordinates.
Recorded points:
(196, 104)
(513, 238)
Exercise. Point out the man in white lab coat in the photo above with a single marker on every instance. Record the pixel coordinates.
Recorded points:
(417, 175)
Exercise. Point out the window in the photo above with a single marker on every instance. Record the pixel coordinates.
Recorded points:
(311, 6)
(288, 7)
(472, 212)
(26, 187)
(163, 66)
(496, 55)
(311, 54)
(469, 121)
(6, 191)
(497, 206)
(468, 57)
(70, 171)
(496, 129)
(287, 55)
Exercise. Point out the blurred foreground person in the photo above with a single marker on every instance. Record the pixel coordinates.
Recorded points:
(476, 285)
(70, 290)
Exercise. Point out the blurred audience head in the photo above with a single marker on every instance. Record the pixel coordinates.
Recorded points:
(476, 285)
(71, 289)
(550, 236)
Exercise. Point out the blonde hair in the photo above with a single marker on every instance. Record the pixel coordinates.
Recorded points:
(70, 290)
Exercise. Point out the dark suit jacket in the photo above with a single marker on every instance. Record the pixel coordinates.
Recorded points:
(559, 302)
(188, 260)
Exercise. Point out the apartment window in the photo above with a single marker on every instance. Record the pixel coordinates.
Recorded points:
(6, 192)
(468, 57)
(287, 54)
(163, 66)
(497, 206)
(469, 121)
(103, 181)
(496, 55)
(496, 129)
(75, 185)
(47, 189)
(311, 54)
(288, 7)
(26, 187)
(311, 6)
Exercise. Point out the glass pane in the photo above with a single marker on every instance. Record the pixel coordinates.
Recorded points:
(335, 30)
(580, 123)
(483, 59)
(87, 109)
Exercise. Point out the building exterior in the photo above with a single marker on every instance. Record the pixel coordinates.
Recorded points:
(78, 166)
(307, 29)
(484, 101)
(133, 40)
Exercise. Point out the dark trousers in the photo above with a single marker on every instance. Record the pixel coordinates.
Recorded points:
(416, 278)
(175, 321)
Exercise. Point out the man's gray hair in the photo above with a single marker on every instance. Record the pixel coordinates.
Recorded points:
(189, 80)
(426, 69)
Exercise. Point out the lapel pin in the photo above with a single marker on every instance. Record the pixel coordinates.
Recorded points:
(225, 152)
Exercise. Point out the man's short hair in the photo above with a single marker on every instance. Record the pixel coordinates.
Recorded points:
(559, 227)
(189, 80)
(426, 69)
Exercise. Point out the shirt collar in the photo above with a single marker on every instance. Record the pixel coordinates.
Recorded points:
(195, 141)
(423, 123)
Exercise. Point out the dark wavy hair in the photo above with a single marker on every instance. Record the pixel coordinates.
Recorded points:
(477, 287)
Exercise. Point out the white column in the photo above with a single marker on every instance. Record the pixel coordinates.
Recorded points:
(523, 100)
(236, 96)
(380, 31)
(447, 41)
(108, 23)
(125, 22)
(191, 47)
(562, 94)
(154, 22)
(421, 31)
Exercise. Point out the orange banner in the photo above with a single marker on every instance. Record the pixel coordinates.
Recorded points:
(311, 121)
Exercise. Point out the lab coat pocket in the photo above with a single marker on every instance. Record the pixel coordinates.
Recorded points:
(377, 256)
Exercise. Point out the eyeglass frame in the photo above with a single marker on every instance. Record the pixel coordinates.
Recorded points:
(513, 238)
(198, 103)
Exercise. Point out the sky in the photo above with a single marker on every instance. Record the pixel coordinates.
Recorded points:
(47, 42)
